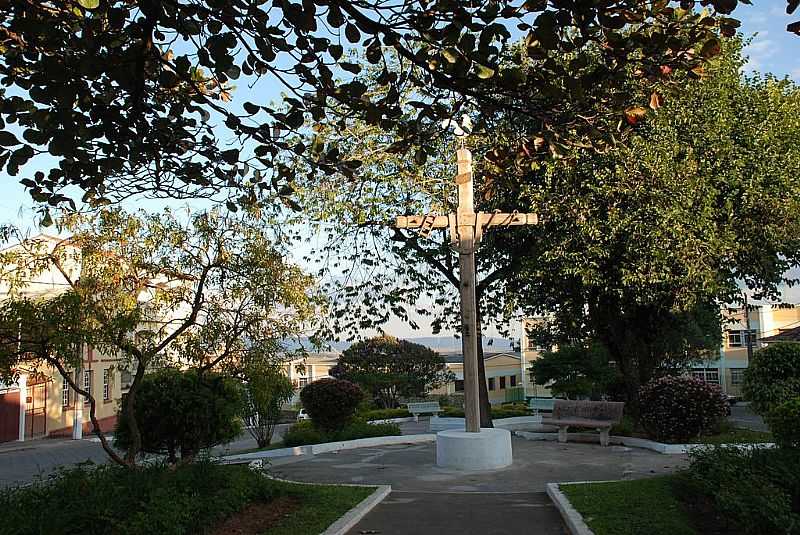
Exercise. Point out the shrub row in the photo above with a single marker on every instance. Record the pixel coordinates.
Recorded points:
(756, 491)
(508, 411)
(110, 499)
(305, 433)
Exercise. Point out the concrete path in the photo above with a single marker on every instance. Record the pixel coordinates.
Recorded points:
(743, 416)
(428, 499)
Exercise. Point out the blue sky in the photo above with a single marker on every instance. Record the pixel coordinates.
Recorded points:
(773, 50)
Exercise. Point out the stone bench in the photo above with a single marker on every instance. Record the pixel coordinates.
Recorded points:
(427, 407)
(600, 415)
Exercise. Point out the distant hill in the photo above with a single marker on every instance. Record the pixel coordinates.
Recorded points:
(437, 343)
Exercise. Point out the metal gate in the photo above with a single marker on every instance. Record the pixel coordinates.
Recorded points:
(36, 411)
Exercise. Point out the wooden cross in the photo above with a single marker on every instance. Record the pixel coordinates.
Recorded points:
(466, 229)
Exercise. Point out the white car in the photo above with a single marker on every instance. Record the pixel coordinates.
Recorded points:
(303, 415)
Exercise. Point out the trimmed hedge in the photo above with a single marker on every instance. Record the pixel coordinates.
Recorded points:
(331, 403)
(304, 433)
(784, 422)
(497, 412)
(680, 408)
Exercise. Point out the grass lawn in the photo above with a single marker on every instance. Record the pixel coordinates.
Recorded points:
(201, 498)
(635, 507)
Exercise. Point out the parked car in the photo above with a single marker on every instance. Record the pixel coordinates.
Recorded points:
(303, 415)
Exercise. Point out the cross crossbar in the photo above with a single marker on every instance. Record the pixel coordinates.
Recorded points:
(496, 219)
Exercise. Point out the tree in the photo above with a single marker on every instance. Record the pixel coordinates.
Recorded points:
(267, 388)
(773, 376)
(129, 98)
(331, 403)
(639, 246)
(575, 371)
(182, 412)
(149, 289)
(389, 368)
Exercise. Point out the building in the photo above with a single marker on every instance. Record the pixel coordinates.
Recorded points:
(311, 367)
(503, 376)
(530, 351)
(768, 323)
(41, 402)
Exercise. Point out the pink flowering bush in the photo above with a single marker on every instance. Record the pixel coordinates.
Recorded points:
(678, 408)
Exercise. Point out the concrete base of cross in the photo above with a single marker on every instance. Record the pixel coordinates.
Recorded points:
(488, 450)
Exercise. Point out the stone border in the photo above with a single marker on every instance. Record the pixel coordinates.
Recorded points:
(658, 447)
(351, 517)
(354, 515)
(402, 420)
(316, 449)
(572, 518)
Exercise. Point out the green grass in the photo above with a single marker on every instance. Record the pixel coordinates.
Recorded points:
(321, 506)
(636, 507)
(189, 499)
(274, 446)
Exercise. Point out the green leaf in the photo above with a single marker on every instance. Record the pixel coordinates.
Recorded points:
(89, 4)
(7, 139)
(483, 71)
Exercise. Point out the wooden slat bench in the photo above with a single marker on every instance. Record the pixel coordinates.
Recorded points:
(600, 415)
(427, 407)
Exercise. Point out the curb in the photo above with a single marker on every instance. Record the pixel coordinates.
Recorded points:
(404, 419)
(316, 449)
(354, 515)
(632, 442)
(572, 518)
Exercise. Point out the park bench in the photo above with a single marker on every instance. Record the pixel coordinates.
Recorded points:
(426, 407)
(540, 404)
(600, 415)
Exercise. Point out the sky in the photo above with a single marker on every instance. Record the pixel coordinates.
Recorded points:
(772, 50)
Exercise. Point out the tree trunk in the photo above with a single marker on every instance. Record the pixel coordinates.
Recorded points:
(483, 391)
(136, 436)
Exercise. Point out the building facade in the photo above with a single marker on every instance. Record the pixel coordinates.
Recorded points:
(503, 376)
(765, 321)
(312, 367)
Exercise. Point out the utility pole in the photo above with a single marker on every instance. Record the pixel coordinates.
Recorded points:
(749, 338)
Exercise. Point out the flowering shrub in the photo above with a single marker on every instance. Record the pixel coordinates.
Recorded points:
(677, 408)
(331, 403)
(784, 422)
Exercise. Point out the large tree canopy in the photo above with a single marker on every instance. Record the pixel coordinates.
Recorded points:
(130, 97)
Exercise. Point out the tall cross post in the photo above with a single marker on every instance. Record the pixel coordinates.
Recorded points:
(466, 229)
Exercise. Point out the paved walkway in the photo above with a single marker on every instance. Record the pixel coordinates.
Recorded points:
(428, 499)
(743, 416)
(23, 462)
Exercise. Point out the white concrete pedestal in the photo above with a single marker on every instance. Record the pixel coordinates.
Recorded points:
(488, 450)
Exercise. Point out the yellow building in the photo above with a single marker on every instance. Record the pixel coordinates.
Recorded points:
(530, 351)
(309, 368)
(503, 376)
(765, 321)
(41, 403)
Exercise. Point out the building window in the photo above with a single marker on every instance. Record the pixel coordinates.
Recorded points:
(87, 385)
(513, 379)
(740, 338)
(303, 381)
(709, 375)
(106, 386)
(737, 376)
(459, 386)
(502, 382)
(65, 393)
(491, 383)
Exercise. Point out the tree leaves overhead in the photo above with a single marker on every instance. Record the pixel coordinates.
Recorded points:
(134, 98)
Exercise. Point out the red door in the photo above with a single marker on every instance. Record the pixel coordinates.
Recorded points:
(35, 411)
(9, 416)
